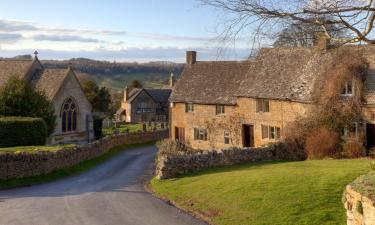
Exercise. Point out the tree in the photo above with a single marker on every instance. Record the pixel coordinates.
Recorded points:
(18, 98)
(303, 35)
(353, 16)
(136, 84)
(99, 97)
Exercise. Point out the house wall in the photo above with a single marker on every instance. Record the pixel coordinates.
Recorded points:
(71, 88)
(137, 117)
(281, 113)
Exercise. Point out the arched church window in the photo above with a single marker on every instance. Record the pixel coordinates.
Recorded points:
(69, 113)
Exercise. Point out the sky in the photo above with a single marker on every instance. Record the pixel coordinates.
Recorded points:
(114, 30)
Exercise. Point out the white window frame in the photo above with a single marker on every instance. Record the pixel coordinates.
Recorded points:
(345, 92)
(220, 109)
(261, 105)
(189, 107)
(356, 132)
(273, 132)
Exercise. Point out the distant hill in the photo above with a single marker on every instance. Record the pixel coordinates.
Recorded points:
(116, 75)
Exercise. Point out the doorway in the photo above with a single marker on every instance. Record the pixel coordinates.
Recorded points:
(179, 134)
(248, 135)
(370, 135)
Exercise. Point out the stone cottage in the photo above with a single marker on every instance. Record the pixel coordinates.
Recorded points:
(61, 86)
(221, 104)
(144, 105)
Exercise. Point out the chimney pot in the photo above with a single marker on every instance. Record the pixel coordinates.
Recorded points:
(191, 57)
(126, 94)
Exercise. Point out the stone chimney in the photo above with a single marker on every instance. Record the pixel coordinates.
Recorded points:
(171, 80)
(126, 94)
(191, 57)
(322, 41)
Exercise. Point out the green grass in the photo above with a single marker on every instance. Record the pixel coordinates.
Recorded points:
(58, 174)
(132, 128)
(308, 192)
(19, 149)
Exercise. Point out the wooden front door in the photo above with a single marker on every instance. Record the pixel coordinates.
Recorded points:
(248, 135)
(370, 135)
(179, 134)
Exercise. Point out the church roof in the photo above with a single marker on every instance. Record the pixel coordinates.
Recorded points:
(50, 80)
(10, 67)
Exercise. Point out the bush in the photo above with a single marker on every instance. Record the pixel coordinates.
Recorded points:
(290, 150)
(353, 149)
(322, 143)
(22, 131)
(20, 99)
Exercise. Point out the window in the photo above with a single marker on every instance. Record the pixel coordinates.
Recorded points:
(226, 137)
(220, 109)
(351, 131)
(271, 132)
(69, 115)
(189, 107)
(347, 89)
(200, 134)
(263, 105)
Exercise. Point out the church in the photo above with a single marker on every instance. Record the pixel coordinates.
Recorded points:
(74, 122)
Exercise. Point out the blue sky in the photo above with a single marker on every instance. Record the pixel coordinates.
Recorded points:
(126, 30)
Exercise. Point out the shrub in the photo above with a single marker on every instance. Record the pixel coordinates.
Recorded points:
(322, 143)
(22, 131)
(19, 99)
(353, 149)
(290, 150)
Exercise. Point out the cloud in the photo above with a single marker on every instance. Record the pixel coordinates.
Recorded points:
(64, 38)
(13, 25)
(24, 26)
(9, 38)
(135, 54)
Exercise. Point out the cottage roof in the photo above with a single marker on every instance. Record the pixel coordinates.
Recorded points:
(159, 95)
(276, 73)
(213, 82)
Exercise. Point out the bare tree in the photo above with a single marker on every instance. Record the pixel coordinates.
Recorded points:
(353, 16)
(303, 35)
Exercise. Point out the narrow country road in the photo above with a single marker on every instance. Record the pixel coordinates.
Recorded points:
(110, 194)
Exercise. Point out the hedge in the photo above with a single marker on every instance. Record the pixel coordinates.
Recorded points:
(22, 131)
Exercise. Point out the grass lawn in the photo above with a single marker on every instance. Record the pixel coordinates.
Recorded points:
(34, 148)
(294, 193)
(132, 128)
(58, 174)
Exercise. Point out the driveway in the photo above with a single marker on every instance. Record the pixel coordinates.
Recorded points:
(110, 194)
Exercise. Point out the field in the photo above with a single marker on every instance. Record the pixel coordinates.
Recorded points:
(308, 192)
(119, 81)
(19, 149)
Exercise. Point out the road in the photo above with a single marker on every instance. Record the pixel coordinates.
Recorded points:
(111, 194)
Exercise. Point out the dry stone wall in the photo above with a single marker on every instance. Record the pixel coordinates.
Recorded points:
(38, 163)
(171, 166)
(360, 210)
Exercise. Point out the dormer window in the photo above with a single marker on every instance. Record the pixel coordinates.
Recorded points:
(189, 107)
(347, 89)
(262, 105)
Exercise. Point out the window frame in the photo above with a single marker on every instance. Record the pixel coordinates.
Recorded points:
(270, 132)
(189, 107)
(345, 91)
(220, 109)
(200, 134)
(262, 105)
(227, 138)
(69, 116)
